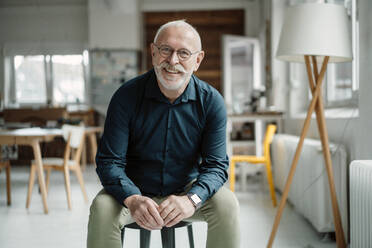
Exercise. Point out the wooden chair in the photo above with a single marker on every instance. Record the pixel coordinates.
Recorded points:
(74, 136)
(6, 164)
(265, 159)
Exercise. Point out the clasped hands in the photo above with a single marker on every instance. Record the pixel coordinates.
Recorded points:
(151, 216)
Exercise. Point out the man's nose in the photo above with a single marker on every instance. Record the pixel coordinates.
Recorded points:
(173, 58)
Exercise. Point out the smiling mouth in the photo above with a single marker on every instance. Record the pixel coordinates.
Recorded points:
(171, 71)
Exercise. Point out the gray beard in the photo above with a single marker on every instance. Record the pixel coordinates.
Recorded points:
(163, 81)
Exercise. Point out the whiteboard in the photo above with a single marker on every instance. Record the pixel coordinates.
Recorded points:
(109, 69)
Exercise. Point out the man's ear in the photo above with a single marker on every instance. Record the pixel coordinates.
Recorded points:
(199, 59)
(152, 49)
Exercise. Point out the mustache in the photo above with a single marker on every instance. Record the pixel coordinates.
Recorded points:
(177, 67)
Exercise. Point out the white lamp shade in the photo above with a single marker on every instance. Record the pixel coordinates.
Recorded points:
(315, 29)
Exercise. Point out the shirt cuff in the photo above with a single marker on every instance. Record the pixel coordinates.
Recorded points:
(202, 193)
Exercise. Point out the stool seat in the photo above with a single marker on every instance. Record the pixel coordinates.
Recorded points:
(167, 234)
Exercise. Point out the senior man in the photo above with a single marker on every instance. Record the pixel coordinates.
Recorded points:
(162, 157)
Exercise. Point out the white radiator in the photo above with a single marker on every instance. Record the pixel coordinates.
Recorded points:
(309, 192)
(361, 204)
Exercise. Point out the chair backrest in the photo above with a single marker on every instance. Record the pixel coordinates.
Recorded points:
(74, 137)
(270, 131)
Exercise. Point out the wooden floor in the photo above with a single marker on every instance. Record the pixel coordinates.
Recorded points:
(62, 228)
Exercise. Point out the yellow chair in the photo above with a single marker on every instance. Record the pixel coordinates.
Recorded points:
(74, 136)
(265, 159)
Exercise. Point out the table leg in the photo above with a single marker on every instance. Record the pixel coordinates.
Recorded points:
(84, 155)
(93, 146)
(40, 174)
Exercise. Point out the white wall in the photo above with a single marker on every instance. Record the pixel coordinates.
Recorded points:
(42, 28)
(114, 24)
(363, 127)
(279, 69)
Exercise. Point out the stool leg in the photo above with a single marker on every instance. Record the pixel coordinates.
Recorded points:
(145, 236)
(8, 190)
(191, 236)
(122, 236)
(167, 237)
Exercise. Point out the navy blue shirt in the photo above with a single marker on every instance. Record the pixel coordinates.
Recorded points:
(155, 148)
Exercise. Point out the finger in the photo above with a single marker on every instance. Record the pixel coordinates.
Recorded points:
(175, 221)
(155, 215)
(150, 225)
(166, 207)
(171, 216)
(150, 221)
(166, 211)
(152, 213)
(164, 204)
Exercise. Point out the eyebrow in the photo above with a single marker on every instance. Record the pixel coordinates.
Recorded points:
(182, 48)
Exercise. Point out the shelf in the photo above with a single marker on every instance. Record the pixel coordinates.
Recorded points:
(259, 119)
(242, 142)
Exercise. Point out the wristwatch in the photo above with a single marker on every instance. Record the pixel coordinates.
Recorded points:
(195, 200)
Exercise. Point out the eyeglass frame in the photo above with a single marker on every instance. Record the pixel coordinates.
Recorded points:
(173, 50)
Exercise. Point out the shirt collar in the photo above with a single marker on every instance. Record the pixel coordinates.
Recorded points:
(190, 91)
(153, 91)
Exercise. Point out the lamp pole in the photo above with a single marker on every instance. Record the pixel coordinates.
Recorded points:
(317, 105)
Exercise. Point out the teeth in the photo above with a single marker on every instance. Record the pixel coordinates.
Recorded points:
(171, 71)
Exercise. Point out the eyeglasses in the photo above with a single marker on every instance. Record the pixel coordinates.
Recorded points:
(183, 54)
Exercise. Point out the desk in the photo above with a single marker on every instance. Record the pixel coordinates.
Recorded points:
(258, 119)
(32, 137)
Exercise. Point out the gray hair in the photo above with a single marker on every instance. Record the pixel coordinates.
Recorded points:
(178, 23)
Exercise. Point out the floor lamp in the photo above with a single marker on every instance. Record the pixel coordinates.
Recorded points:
(314, 33)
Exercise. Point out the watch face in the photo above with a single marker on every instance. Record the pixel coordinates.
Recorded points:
(195, 198)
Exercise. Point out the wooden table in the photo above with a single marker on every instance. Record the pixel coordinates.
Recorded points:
(90, 133)
(32, 137)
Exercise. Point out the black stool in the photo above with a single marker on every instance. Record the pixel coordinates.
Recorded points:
(167, 235)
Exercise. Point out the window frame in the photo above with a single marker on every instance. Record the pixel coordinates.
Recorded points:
(10, 82)
(52, 83)
(353, 101)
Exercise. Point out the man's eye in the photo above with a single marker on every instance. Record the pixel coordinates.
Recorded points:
(183, 53)
(166, 50)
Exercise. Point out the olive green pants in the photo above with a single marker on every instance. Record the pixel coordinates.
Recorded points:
(221, 212)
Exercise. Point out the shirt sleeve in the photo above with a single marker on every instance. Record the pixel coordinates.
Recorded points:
(111, 154)
(213, 169)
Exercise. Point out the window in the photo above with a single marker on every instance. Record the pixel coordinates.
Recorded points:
(45, 79)
(30, 84)
(338, 82)
(341, 82)
(68, 78)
